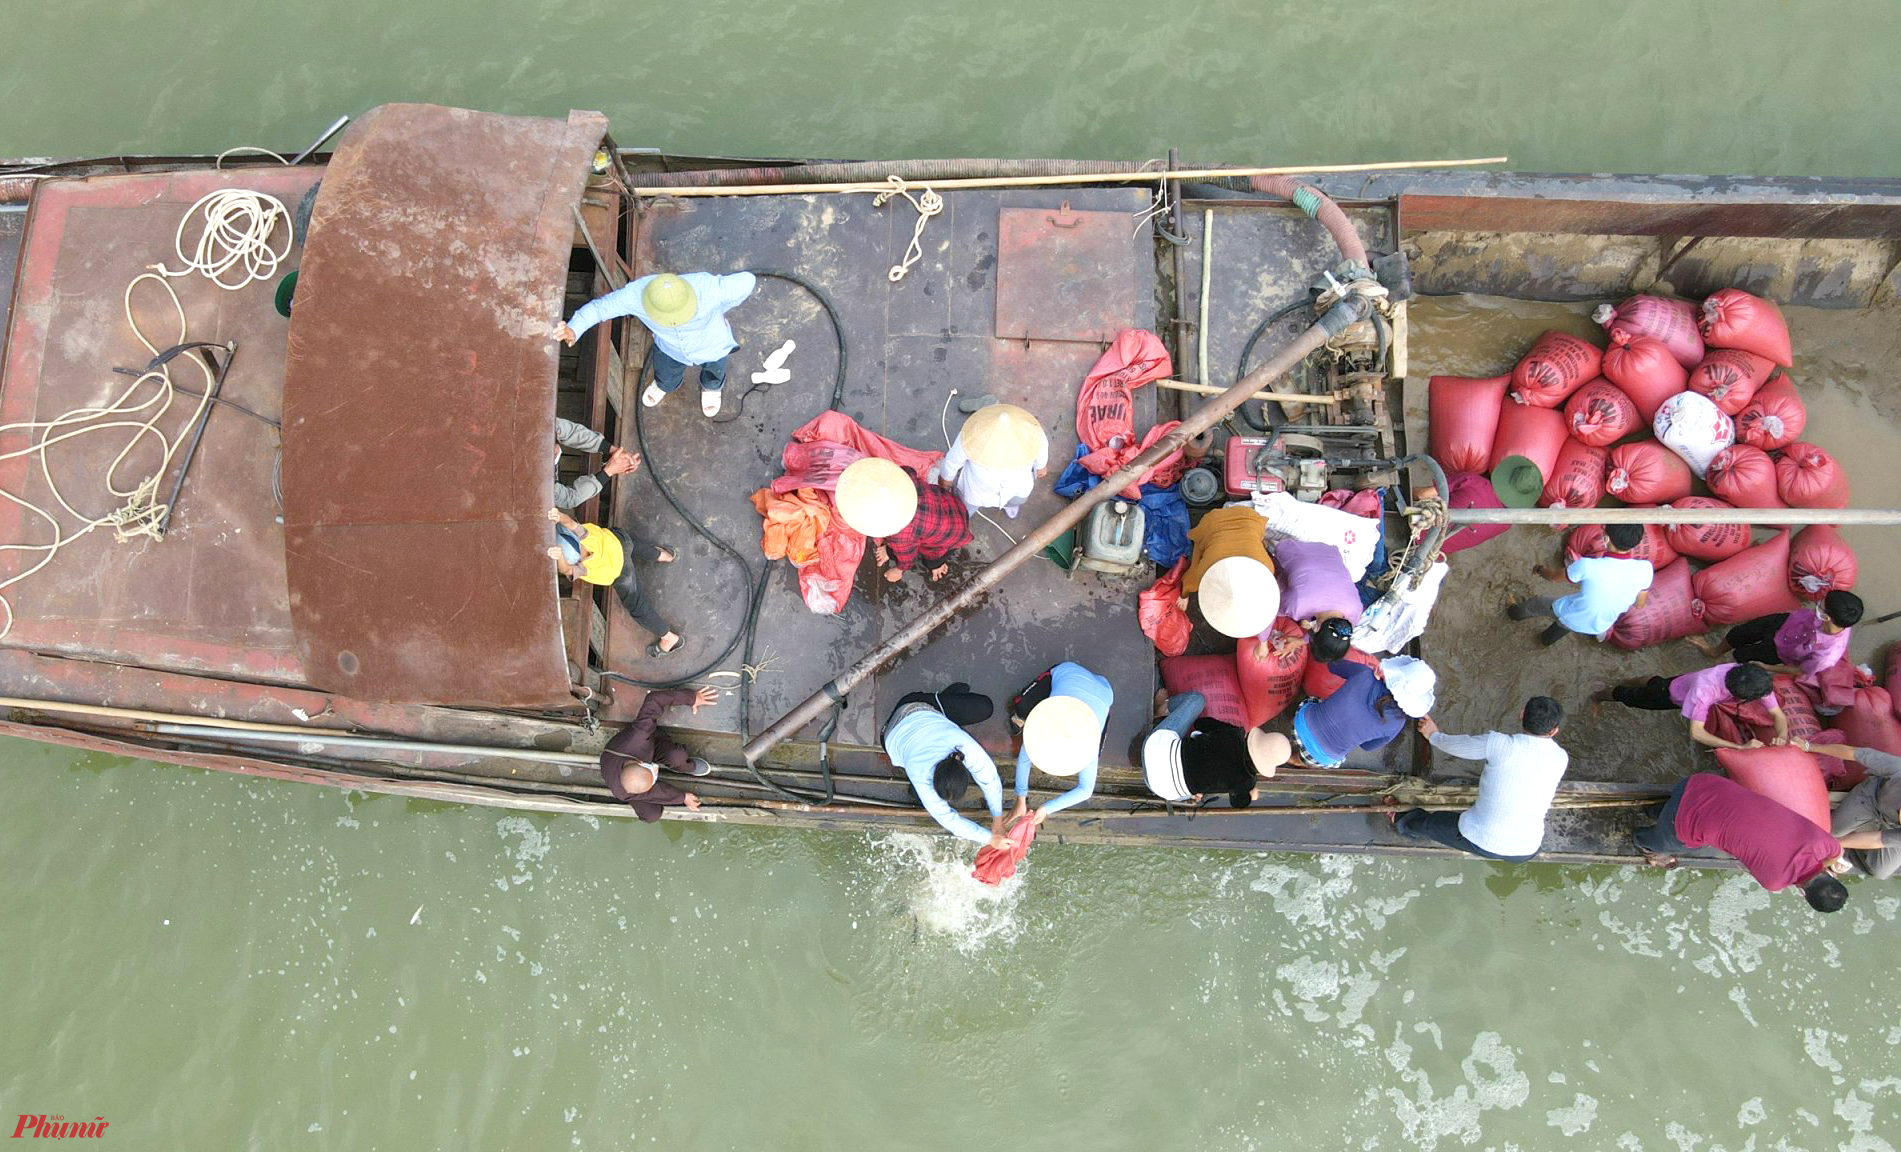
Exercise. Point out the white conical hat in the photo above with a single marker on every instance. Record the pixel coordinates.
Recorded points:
(1061, 734)
(1239, 596)
(875, 497)
(1002, 436)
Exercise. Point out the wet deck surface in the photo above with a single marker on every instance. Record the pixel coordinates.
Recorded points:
(211, 597)
(908, 345)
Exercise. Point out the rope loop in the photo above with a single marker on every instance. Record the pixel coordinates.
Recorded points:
(928, 204)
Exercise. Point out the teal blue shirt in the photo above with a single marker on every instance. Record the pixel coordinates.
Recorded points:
(703, 339)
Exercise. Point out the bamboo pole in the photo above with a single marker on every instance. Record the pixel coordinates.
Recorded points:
(1207, 275)
(1768, 516)
(1131, 177)
(1283, 397)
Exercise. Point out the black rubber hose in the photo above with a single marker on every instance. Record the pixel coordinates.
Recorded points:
(1267, 422)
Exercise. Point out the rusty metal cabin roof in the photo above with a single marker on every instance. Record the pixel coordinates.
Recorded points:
(419, 395)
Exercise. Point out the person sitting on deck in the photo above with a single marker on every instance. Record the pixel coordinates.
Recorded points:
(1779, 846)
(1802, 644)
(1232, 573)
(631, 762)
(1062, 715)
(1521, 774)
(1189, 757)
(1365, 712)
(687, 316)
(581, 438)
(1868, 820)
(925, 736)
(913, 524)
(599, 555)
(1695, 693)
(996, 459)
(1608, 586)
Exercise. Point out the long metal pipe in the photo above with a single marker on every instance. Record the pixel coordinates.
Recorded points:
(335, 740)
(1769, 516)
(1336, 320)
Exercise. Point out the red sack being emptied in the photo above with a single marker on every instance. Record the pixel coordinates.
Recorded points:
(1730, 378)
(1269, 682)
(1670, 612)
(1670, 322)
(1733, 318)
(1645, 370)
(1599, 414)
(1591, 540)
(1745, 477)
(1320, 682)
(1647, 473)
(1213, 677)
(1804, 724)
(1807, 477)
(1557, 365)
(1752, 583)
(1470, 490)
(1787, 775)
(1820, 562)
(1105, 410)
(1775, 418)
(1463, 419)
(1706, 541)
(995, 865)
(1157, 611)
(1577, 479)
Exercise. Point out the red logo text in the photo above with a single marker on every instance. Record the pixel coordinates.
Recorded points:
(58, 1127)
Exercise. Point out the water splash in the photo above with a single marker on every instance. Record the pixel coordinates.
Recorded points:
(930, 875)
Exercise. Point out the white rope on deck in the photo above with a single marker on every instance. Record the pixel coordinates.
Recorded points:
(238, 225)
(928, 204)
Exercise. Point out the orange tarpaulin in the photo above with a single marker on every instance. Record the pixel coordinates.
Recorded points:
(794, 522)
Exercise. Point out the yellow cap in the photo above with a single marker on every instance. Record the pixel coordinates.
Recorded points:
(875, 497)
(668, 300)
(1002, 436)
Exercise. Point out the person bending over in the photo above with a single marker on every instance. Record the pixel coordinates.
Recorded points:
(1061, 716)
(1803, 643)
(1521, 775)
(598, 555)
(1365, 712)
(1608, 586)
(1780, 847)
(924, 735)
(1189, 757)
(1695, 693)
(1868, 821)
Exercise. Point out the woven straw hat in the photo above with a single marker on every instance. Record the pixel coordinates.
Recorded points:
(1268, 750)
(668, 300)
(1061, 734)
(875, 497)
(1002, 436)
(1239, 596)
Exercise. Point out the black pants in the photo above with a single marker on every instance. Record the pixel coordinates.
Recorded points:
(1661, 838)
(1443, 828)
(957, 702)
(627, 586)
(1754, 641)
(1653, 695)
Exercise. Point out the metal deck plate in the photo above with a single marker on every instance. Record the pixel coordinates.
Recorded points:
(1064, 275)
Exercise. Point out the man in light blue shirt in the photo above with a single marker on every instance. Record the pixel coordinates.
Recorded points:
(1062, 714)
(1608, 587)
(687, 316)
(924, 737)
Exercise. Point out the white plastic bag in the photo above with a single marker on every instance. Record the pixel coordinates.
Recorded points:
(1392, 621)
(1691, 425)
(1355, 536)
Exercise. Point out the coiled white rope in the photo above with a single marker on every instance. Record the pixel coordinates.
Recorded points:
(928, 204)
(236, 241)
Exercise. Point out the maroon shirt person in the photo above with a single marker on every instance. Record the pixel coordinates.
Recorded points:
(1780, 847)
(629, 760)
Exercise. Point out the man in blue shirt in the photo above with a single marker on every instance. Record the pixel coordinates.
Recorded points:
(1608, 587)
(924, 736)
(687, 316)
(1062, 715)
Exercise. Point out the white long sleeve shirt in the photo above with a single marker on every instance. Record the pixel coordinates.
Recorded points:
(983, 487)
(1521, 776)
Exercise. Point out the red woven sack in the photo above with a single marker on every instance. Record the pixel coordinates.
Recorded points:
(1269, 683)
(1820, 562)
(1537, 434)
(1787, 775)
(1804, 724)
(1213, 677)
(1591, 540)
(1733, 318)
(1870, 721)
(1577, 480)
(1706, 541)
(1645, 370)
(1775, 418)
(1557, 365)
(1840, 775)
(1599, 414)
(1157, 612)
(1670, 612)
(1808, 477)
(1470, 490)
(1318, 681)
(1834, 688)
(1730, 378)
(1463, 414)
(1891, 678)
(1671, 323)
(1647, 473)
(1752, 583)
(1745, 477)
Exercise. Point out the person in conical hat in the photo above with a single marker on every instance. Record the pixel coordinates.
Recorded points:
(687, 316)
(1232, 573)
(996, 459)
(1189, 756)
(1061, 717)
(914, 524)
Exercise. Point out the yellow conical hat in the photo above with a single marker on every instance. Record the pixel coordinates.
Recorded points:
(1002, 436)
(875, 497)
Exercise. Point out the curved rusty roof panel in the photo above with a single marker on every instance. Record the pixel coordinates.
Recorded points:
(419, 394)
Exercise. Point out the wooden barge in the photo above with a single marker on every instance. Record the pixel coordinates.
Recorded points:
(352, 591)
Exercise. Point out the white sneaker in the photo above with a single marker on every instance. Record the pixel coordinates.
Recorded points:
(652, 396)
(772, 376)
(709, 401)
(778, 358)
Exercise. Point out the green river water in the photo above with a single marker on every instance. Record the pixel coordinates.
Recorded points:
(210, 962)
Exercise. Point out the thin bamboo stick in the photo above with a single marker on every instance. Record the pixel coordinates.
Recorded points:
(1132, 177)
(1283, 397)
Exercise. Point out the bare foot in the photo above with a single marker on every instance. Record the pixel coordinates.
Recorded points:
(1707, 646)
(1656, 861)
(937, 573)
(893, 575)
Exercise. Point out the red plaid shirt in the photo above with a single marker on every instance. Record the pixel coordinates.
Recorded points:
(941, 526)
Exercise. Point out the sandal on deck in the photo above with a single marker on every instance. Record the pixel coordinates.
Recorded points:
(656, 651)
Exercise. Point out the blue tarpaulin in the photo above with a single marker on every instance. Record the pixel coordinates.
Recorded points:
(1164, 512)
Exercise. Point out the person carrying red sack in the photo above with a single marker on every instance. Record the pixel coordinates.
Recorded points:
(1608, 587)
(1779, 847)
(1695, 694)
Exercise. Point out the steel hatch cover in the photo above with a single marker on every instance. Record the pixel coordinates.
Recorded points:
(419, 393)
(1064, 275)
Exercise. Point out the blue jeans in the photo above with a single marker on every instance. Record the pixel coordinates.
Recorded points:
(668, 373)
(1443, 828)
(1183, 711)
(1661, 838)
